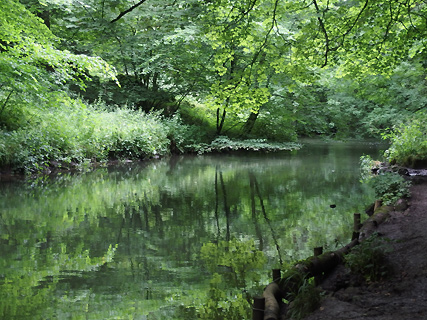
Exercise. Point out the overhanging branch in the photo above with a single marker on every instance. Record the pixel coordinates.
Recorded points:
(325, 33)
(354, 22)
(127, 11)
(5, 103)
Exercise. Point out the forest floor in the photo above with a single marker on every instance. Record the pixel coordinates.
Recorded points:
(401, 295)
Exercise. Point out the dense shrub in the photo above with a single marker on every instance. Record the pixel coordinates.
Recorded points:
(225, 144)
(389, 187)
(183, 137)
(369, 258)
(409, 141)
(76, 133)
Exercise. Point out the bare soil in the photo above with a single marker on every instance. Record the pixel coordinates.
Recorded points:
(403, 294)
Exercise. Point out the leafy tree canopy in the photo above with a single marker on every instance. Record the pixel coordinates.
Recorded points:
(254, 68)
(31, 66)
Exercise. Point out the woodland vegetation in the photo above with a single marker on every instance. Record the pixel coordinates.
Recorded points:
(92, 80)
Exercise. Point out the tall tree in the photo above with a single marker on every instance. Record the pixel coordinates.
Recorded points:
(155, 45)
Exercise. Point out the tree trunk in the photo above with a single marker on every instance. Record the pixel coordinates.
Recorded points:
(45, 16)
(249, 124)
(220, 120)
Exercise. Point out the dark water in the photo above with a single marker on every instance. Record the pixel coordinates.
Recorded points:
(191, 236)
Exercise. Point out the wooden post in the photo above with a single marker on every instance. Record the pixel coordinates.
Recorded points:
(356, 226)
(317, 252)
(258, 308)
(276, 275)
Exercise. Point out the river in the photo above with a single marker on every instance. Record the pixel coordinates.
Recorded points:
(177, 238)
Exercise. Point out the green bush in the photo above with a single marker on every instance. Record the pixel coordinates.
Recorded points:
(408, 141)
(182, 136)
(389, 187)
(225, 144)
(69, 131)
(368, 258)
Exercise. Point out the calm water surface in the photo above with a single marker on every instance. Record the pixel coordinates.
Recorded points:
(184, 237)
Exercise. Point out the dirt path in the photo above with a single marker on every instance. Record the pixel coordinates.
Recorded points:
(403, 295)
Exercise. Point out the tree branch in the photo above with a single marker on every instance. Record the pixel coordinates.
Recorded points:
(127, 11)
(325, 33)
(389, 25)
(5, 103)
(354, 22)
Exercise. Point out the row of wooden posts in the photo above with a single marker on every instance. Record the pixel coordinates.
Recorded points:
(267, 307)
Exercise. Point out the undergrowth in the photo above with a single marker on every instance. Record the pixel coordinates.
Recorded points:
(388, 186)
(368, 258)
(305, 300)
(225, 144)
(408, 141)
(76, 133)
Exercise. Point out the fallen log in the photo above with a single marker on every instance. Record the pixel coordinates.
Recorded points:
(371, 224)
(312, 267)
(288, 286)
(272, 295)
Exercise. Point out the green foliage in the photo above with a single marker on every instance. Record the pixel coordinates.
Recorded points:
(305, 301)
(76, 133)
(367, 164)
(225, 144)
(408, 141)
(245, 58)
(32, 67)
(368, 258)
(389, 187)
(182, 136)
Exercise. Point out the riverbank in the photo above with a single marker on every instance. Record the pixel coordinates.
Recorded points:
(403, 294)
(30, 165)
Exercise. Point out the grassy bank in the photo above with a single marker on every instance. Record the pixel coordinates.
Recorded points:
(77, 133)
(71, 133)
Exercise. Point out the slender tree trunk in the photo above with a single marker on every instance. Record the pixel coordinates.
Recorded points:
(155, 84)
(220, 120)
(250, 122)
(6, 101)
